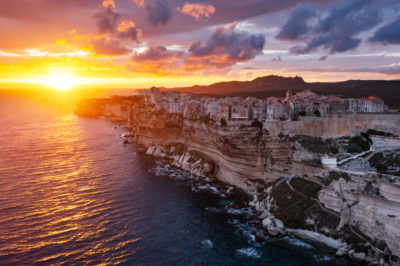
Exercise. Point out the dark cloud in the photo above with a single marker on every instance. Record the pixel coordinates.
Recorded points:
(109, 23)
(157, 60)
(132, 34)
(224, 48)
(42, 21)
(338, 31)
(323, 58)
(106, 19)
(109, 47)
(388, 34)
(277, 59)
(158, 11)
(127, 30)
(156, 53)
(393, 69)
(297, 25)
(229, 44)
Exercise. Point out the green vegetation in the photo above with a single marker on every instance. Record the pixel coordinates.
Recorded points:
(294, 207)
(373, 132)
(382, 161)
(337, 175)
(371, 190)
(378, 133)
(366, 136)
(302, 113)
(257, 123)
(333, 150)
(318, 145)
(358, 144)
(206, 119)
(333, 175)
(223, 122)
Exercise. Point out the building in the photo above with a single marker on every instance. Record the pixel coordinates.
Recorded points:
(223, 111)
(171, 94)
(338, 106)
(174, 107)
(259, 110)
(239, 109)
(331, 161)
(155, 94)
(210, 107)
(365, 105)
(377, 104)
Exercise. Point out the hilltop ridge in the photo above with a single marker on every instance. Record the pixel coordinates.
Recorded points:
(273, 85)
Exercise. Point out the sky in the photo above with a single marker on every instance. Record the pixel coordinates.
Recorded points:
(143, 43)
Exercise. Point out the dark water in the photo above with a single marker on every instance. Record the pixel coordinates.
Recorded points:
(71, 192)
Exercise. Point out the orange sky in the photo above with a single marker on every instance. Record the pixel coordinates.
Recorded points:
(136, 44)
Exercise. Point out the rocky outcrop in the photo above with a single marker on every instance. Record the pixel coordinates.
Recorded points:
(357, 215)
(194, 162)
(370, 204)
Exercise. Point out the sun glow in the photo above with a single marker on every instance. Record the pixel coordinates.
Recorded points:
(60, 82)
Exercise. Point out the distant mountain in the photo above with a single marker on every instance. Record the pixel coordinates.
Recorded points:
(267, 83)
(262, 87)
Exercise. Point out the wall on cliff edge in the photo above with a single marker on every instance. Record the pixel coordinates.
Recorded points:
(335, 125)
(381, 122)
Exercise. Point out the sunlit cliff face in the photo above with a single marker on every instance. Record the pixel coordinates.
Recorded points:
(134, 44)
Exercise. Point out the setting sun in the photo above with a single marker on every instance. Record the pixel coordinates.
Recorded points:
(60, 82)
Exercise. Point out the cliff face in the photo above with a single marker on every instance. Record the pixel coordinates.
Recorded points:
(358, 215)
(239, 154)
(370, 204)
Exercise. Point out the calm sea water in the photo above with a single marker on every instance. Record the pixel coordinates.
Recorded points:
(72, 193)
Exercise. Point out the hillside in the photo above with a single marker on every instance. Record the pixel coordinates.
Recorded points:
(262, 87)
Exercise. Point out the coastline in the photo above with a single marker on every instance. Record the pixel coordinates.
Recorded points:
(262, 165)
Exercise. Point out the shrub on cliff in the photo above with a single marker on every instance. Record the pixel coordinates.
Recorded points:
(257, 123)
(206, 119)
(317, 113)
(333, 175)
(358, 144)
(314, 144)
(374, 132)
(333, 150)
(223, 122)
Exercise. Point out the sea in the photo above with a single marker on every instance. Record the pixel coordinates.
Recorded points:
(74, 192)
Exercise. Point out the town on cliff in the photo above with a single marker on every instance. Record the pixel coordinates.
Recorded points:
(322, 168)
(305, 103)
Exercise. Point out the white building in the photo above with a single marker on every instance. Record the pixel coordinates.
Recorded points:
(331, 161)
(174, 107)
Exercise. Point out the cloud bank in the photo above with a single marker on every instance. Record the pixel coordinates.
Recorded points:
(225, 47)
